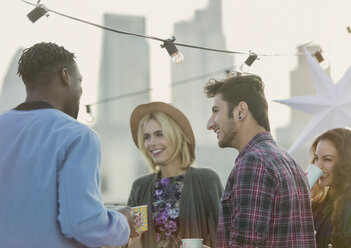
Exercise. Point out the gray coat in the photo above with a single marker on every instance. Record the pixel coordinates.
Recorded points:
(199, 207)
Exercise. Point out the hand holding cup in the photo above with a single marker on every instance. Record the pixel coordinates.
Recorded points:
(132, 220)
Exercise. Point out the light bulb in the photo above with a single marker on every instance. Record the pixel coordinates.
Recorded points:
(89, 115)
(89, 118)
(177, 58)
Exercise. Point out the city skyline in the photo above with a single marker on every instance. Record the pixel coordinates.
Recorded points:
(263, 27)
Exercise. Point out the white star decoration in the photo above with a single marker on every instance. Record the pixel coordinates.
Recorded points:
(331, 106)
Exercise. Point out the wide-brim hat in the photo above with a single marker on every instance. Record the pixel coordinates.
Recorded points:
(175, 114)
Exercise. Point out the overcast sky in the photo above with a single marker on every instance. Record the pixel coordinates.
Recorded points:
(266, 27)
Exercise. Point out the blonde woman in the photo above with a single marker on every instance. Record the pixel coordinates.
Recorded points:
(183, 201)
(331, 196)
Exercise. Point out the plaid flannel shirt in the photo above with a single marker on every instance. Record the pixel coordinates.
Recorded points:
(266, 202)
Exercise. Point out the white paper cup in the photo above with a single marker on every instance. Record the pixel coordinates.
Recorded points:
(192, 243)
(313, 173)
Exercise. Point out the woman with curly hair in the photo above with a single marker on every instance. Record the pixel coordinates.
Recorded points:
(331, 196)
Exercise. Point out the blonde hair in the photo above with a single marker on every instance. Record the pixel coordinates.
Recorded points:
(174, 135)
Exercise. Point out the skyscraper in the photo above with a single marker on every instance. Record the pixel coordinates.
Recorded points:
(205, 29)
(124, 69)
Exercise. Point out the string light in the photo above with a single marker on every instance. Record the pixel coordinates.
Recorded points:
(252, 57)
(156, 38)
(39, 11)
(177, 57)
(319, 56)
(322, 62)
(249, 61)
(90, 116)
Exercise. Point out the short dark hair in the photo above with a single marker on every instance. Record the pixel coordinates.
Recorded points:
(239, 87)
(42, 61)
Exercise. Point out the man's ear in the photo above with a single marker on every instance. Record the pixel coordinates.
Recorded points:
(243, 110)
(64, 76)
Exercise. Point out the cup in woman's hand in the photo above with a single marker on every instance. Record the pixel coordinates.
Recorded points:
(313, 173)
(192, 243)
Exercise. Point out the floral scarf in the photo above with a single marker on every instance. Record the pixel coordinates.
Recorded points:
(165, 208)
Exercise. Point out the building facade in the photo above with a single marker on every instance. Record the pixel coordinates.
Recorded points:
(124, 69)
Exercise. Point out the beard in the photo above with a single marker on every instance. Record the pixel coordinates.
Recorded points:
(229, 133)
